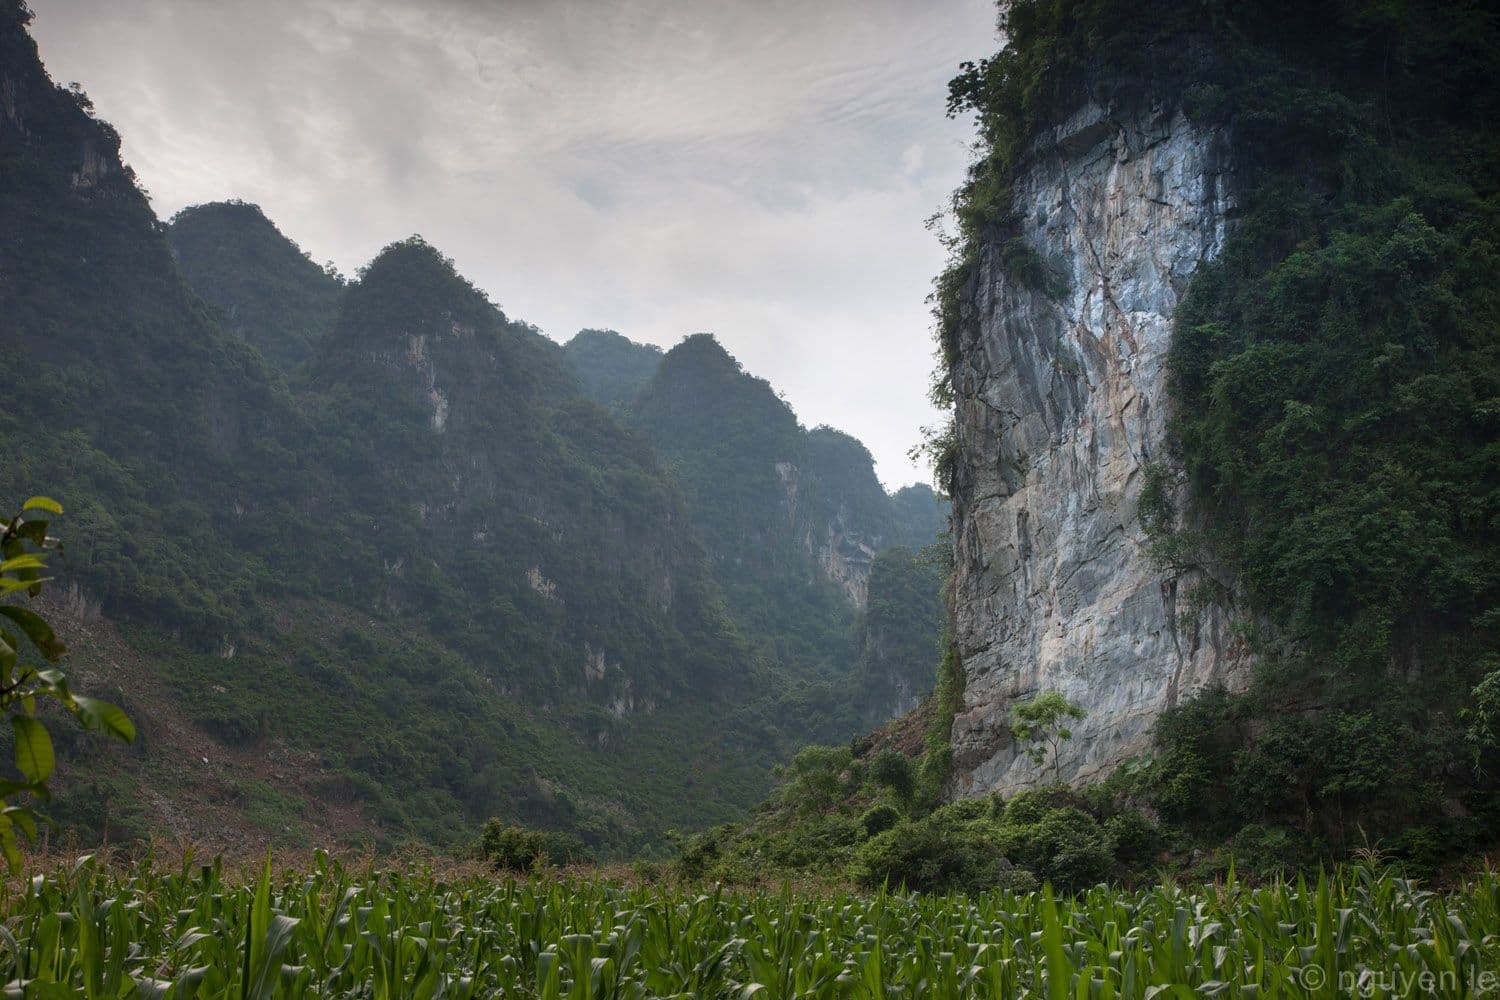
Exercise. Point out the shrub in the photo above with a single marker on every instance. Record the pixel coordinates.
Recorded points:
(1263, 852)
(1137, 840)
(562, 848)
(697, 854)
(1196, 741)
(880, 818)
(815, 842)
(962, 811)
(932, 857)
(234, 727)
(1031, 805)
(1066, 847)
(894, 770)
(517, 849)
(818, 777)
(1016, 880)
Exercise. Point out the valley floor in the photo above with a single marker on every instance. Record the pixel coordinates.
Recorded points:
(329, 928)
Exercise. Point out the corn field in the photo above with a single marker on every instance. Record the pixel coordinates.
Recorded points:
(99, 931)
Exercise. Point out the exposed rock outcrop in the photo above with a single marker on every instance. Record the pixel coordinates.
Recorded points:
(831, 534)
(1061, 411)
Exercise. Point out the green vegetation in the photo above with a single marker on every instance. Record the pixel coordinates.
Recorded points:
(332, 930)
(946, 701)
(901, 626)
(380, 529)
(769, 500)
(437, 680)
(1334, 375)
(1041, 724)
(613, 369)
(516, 849)
(739, 454)
(269, 293)
(921, 515)
(26, 687)
(875, 819)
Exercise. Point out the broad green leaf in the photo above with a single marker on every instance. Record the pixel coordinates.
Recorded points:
(102, 715)
(36, 629)
(23, 818)
(9, 846)
(9, 788)
(27, 561)
(33, 748)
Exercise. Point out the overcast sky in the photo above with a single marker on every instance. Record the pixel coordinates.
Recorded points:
(760, 169)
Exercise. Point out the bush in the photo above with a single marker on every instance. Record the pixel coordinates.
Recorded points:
(234, 727)
(894, 770)
(1137, 840)
(1016, 880)
(925, 856)
(962, 811)
(816, 842)
(1264, 852)
(818, 777)
(880, 818)
(561, 848)
(517, 849)
(1066, 847)
(697, 854)
(1033, 804)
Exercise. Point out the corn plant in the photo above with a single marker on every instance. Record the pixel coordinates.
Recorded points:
(331, 931)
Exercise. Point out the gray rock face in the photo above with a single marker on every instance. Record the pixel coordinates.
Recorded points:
(1061, 408)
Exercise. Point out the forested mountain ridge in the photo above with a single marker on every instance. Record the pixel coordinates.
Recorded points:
(799, 530)
(120, 376)
(791, 519)
(159, 433)
(421, 563)
(613, 368)
(270, 293)
(836, 512)
(556, 527)
(921, 514)
(847, 513)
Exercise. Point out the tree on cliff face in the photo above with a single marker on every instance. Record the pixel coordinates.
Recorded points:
(1042, 723)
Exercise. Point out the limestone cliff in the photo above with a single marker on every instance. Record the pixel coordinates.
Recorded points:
(1061, 408)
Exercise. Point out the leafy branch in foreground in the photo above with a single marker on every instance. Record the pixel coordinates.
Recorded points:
(24, 546)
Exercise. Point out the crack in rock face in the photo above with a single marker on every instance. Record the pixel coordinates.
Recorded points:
(1061, 407)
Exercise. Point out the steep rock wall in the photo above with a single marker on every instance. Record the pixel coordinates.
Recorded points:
(1061, 409)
